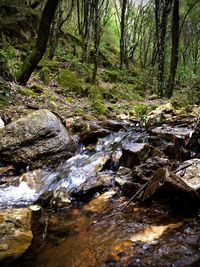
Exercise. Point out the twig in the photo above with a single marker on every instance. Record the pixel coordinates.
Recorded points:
(134, 196)
(183, 168)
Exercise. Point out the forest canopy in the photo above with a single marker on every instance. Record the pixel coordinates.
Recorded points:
(157, 40)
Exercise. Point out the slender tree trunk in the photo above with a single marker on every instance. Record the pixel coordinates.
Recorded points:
(122, 36)
(174, 50)
(96, 39)
(41, 43)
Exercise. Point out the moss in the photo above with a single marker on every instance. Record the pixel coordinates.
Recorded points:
(45, 75)
(3, 101)
(126, 92)
(119, 76)
(51, 64)
(25, 91)
(99, 108)
(69, 82)
(79, 111)
(36, 88)
(141, 110)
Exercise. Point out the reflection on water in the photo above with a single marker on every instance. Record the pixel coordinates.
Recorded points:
(79, 238)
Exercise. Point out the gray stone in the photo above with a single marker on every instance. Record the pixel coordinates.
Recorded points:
(34, 140)
(136, 153)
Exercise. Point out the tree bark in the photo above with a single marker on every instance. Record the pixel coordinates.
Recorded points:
(41, 43)
(162, 10)
(174, 49)
(122, 35)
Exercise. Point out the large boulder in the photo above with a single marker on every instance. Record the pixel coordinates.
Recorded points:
(15, 232)
(35, 140)
(186, 179)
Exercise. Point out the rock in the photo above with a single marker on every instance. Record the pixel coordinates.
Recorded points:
(174, 141)
(158, 115)
(136, 153)
(112, 125)
(35, 140)
(145, 171)
(2, 124)
(151, 233)
(101, 203)
(90, 131)
(15, 232)
(185, 180)
(171, 133)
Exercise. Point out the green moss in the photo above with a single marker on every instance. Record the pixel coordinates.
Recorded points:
(25, 91)
(45, 75)
(99, 108)
(119, 76)
(51, 64)
(79, 111)
(69, 82)
(36, 88)
(3, 101)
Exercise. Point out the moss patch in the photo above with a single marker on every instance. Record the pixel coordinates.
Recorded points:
(99, 108)
(69, 82)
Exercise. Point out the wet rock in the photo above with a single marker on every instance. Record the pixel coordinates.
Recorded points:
(136, 153)
(101, 203)
(152, 233)
(90, 131)
(15, 232)
(171, 133)
(113, 126)
(93, 185)
(2, 124)
(56, 199)
(145, 171)
(35, 140)
(166, 183)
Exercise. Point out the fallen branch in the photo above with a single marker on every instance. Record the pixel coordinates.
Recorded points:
(134, 196)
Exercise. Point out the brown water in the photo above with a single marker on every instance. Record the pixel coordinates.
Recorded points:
(75, 237)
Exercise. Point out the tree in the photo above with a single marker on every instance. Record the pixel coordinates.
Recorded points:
(174, 50)
(37, 53)
(162, 11)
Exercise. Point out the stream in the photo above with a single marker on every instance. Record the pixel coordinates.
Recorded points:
(93, 232)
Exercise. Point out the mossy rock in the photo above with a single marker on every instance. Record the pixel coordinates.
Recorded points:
(69, 82)
(99, 108)
(36, 88)
(47, 63)
(25, 91)
(119, 76)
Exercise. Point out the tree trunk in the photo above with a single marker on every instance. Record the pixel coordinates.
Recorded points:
(174, 49)
(122, 36)
(96, 39)
(41, 43)
(162, 10)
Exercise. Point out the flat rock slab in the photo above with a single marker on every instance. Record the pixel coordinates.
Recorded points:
(185, 179)
(15, 232)
(35, 140)
(171, 133)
